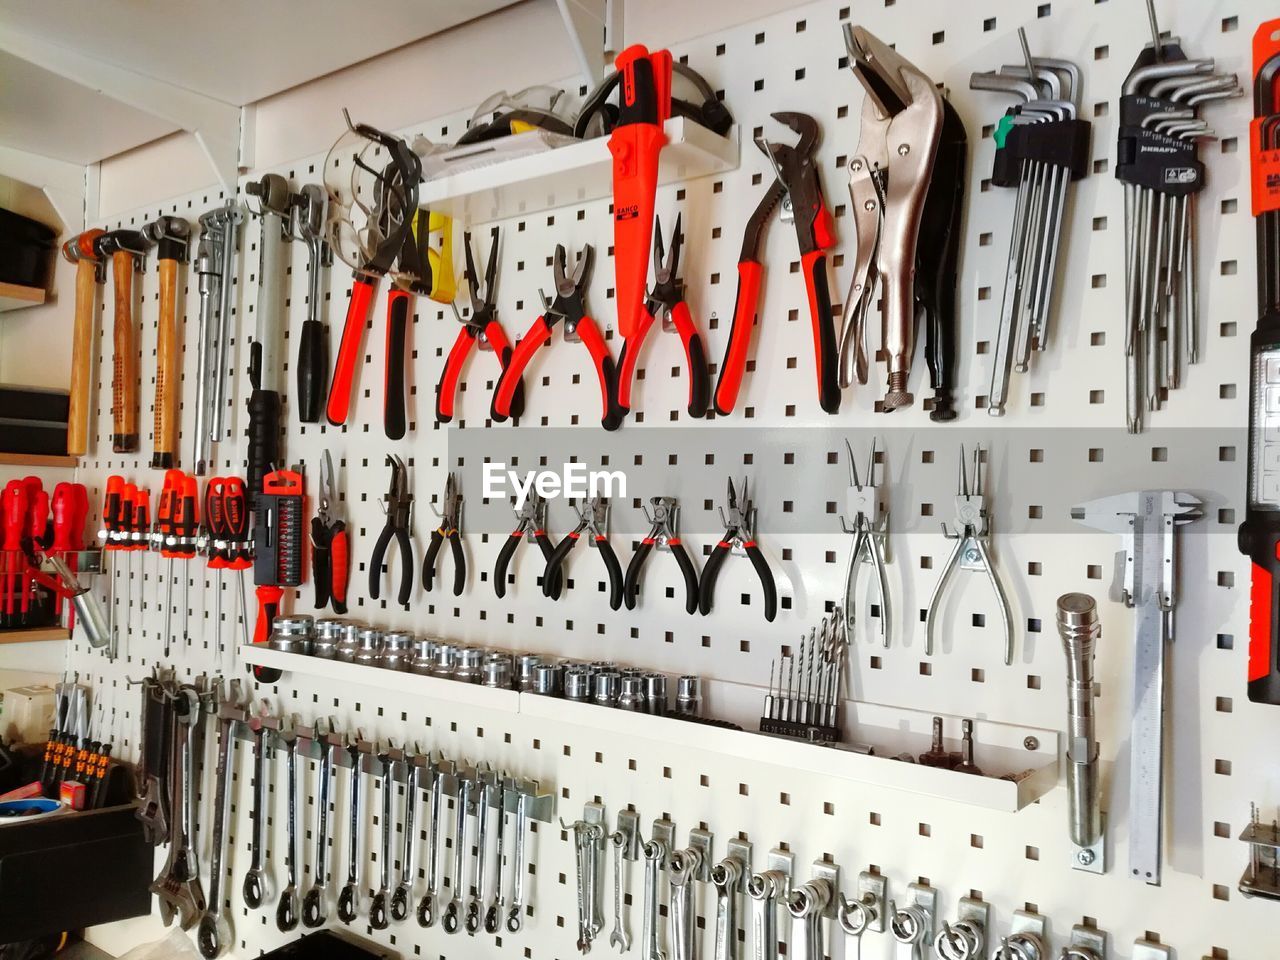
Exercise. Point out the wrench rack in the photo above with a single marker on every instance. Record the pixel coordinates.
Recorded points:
(1066, 419)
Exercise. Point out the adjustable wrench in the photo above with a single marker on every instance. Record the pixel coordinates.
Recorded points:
(313, 913)
(484, 789)
(287, 909)
(178, 887)
(655, 853)
(620, 936)
(462, 801)
(515, 914)
(409, 852)
(807, 906)
(443, 781)
(726, 875)
(214, 933)
(378, 906)
(349, 898)
(257, 882)
(685, 866)
(763, 889)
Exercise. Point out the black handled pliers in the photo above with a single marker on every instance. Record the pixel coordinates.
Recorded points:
(664, 518)
(398, 506)
(450, 513)
(330, 544)
(739, 537)
(593, 520)
(531, 525)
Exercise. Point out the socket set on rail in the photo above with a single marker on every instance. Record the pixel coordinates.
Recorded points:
(788, 915)
(481, 815)
(602, 682)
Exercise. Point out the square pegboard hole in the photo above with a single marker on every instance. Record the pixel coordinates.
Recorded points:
(975, 841)
(784, 799)
(1226, 578)
(1226, 641)
(1227, 329)
(1226, 454)
(1227, 268)
(743, 790)
(1227, 517)
(873, 819)
(1228, 206)
(1033, 682)
(1222, 830)
(829, 808)
(1093, 571)
(978, 675)
(924, 830)
(1222, 768)
(1033, 568)
(1223, 704)
(1095, 454)
(666, 773)
(926, 668)
(1097, 396)
(989, 24)
(1228, 24)
(1220, 891)
(1030, 852)
(876, 663)
(1226, 391)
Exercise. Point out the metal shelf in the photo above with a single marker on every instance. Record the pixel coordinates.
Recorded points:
(577, 173)
(1028, 755)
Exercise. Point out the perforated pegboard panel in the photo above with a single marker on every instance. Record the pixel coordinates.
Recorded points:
(1062, 442)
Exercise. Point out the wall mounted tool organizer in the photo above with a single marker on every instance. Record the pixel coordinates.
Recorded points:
(1062, 442)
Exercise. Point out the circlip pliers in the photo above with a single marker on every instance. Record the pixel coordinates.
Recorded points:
(450, 528)
(663, 519)
(593, 520)
(666, 301)
(330, 544)
(398, 506)
(567, 307)
(531, 525)
(481, 329)
(739, 534)
(798, 188)
(867, 519)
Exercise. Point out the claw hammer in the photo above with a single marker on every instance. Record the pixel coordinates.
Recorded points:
(127, 249)
(171, 236)
(90, 271)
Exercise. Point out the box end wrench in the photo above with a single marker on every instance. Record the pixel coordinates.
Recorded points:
(313, 912)
(444, 781)
(213, 935)
(349, 897)
(378, 917)
(257, 882)
(288, 908)
(414, 763)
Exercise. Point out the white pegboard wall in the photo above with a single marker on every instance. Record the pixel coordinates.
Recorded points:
(1069, 408)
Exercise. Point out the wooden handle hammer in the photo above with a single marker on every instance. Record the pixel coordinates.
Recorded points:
(171, 236)
(127, 249)
(81, 251)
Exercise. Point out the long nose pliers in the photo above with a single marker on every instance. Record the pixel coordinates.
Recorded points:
(739, 535)
(330, 545)
(398, 506)
(531, 525)
(567, 307)
(450, 513)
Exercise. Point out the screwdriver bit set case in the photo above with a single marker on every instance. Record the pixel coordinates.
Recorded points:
(1061, 442)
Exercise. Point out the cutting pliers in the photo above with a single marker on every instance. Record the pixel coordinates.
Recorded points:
(797, 187)
(666, 301)
(867, 519)
(480, 329)
(739, 535)
(568, 307)
(531, 525)
(330, 545)
(450, 529)
(971, 552)
(663, 520)
(398, 506)
(593, 520)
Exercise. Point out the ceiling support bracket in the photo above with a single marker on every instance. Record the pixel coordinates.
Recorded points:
(595, 32)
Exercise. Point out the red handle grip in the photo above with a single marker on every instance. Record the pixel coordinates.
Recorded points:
(268, 609)
(447, 391)
(538, 334)
(630, 359)
(340, 563)
(344, 370)
(602, 360)
(695, 358)
(750, 274)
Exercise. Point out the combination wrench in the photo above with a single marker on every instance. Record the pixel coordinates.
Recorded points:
(515, 914)
(453, 909)
(685, 866)
(620, 936)
(349, 898)
(257, 883)
(655, 853)
(763, 889)
(378, 906)
(444, 780)
(808, 905)
(313, 912)
(486, 781)
(726, 876)
(287, 909)
(214, 933)
(409, 853)
(493, 915)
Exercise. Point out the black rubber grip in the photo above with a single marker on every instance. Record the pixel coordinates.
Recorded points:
(690, 577)
(828, 351)
(321, 562)
(429, 561)
(459, 564)
(264, 438)
(615, 572)
(767, 586)
(710, 572)
(313, 367)
(555, 586)
(406, 568)
(393, 409)
(555, 562)
(699, 378)
(631, 584)
(375, 563)
(504, 560)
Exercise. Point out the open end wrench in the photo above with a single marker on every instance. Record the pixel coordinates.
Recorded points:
(655, 853)
(287, 909)
(515, 915)
(685, 865)
(313, 913)
(620, 936)
(349, 898)
(409, 853)
(378, 918)
(256, 882)
(214, 933)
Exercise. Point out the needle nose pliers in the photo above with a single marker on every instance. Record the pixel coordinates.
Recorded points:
(664, 518)
(739, 534)
(531, 525)
(567, 307)
(330, 545)
(450, 529)
(480, 329)
(666, 302)
(593, 520)
(398, 506)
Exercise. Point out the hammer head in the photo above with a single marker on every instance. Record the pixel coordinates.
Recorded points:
(82, 246)
(171, 236)
(123, 241)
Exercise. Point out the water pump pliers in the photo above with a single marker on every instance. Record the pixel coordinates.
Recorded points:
(664, 518)
(398, 506)
(450, 528)
(480, 329)
(531, 525)
(740, 537)
(568, 308)
(593, 520)
(666, 301)
(330, 545)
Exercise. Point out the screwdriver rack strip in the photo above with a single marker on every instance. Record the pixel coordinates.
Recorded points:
(1061, 442)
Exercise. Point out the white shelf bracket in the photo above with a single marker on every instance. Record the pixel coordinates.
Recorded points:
(214, 124)
(66, 185)
(595, 31)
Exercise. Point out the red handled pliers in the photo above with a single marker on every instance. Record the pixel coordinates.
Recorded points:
(665, 301)
(797, 182)
(330, 545)
(482, 329)
(569, 308)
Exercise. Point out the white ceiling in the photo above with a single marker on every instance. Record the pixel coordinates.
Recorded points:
(236, 51)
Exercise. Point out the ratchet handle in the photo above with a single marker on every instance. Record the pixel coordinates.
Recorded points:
(313, 364)
(344, 371)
